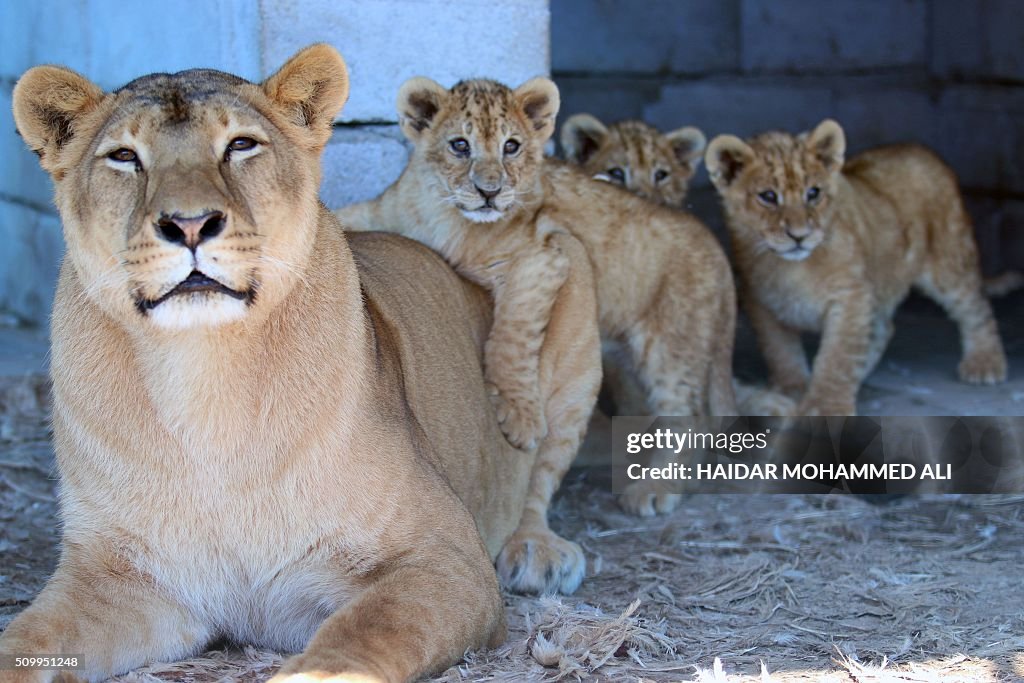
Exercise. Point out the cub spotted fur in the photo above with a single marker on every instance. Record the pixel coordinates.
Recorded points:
(471, 192)
(634, 155)
(833, 246)
(266, 431)
(657, 166)
(664, 287)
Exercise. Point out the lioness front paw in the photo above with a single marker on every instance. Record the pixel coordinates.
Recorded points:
(298, 669)
(647, 498)
(983, 368)
(521, 418)
(541, 562)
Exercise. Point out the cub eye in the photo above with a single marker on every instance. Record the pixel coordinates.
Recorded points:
(813, 193)
(660, 175)
(123, 155)
(242, 144)
(617, 173)
(460, 146)
(511, 146)
(769, 197)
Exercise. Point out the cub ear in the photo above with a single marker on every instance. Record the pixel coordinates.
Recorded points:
(419, 101)
(725, 158)
(48, 103)
(582, 135)
(539, 100)
(688, 144)
(311, 87)
(828, 142)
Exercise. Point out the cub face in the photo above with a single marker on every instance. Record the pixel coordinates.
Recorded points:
(481, 143)
(631, 154)
(778, 189)
(186, 198)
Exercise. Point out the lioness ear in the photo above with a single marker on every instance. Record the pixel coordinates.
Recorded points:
(726, 157)
(419, 100)
(539, 100)
(311, 87)
(47, 103)
(828, 143)
(688, 144)
(582, 135)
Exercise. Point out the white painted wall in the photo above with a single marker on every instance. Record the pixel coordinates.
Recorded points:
(110, 41)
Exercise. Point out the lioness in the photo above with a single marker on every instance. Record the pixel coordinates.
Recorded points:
(833, 246)
(265, 431)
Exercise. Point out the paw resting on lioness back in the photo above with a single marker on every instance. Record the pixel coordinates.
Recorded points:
(520, 415)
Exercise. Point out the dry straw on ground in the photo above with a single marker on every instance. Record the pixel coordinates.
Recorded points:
(727, 588)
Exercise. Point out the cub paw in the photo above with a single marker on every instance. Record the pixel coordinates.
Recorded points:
(541, 562)
(983, 368)
(520, 417)
(647, 499)
(811, 407)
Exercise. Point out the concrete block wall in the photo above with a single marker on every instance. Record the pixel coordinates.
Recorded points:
(947, 73)
(384, 42)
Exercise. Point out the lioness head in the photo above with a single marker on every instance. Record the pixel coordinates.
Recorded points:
(777, 189)
(481, 143)
(188, 199)
(655, 165)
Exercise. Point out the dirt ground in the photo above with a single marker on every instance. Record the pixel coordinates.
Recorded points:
(728, 587)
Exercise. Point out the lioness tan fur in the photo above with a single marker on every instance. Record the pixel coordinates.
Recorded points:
(298, 452)
(635, 155)
(664, 287)
(833, 246)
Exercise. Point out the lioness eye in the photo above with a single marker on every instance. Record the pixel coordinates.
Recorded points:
(460, 146)
(618, 174)
(124, 154)
(813, 193)
(511, 146)
(769, 197)
(241, 144)
(660, 175)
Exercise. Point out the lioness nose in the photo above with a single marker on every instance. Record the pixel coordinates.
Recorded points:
(487, 193)
(190, 232)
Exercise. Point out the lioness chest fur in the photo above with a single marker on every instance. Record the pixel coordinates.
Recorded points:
(299, 451)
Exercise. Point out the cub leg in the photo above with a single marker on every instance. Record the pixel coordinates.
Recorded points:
(782, 350)
(959, 293)
(535, 559)
(414, 618)
(666, 366)
(97, 607)
(524, 290)
(881, 335)
(843, 356)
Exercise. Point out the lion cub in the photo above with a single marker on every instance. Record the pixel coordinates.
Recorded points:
(636, 156)
(470, 192)
(664, 288)
(833, 247)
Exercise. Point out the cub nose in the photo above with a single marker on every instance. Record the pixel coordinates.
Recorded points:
(190, 232)
(798, 234)
(488, 194)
